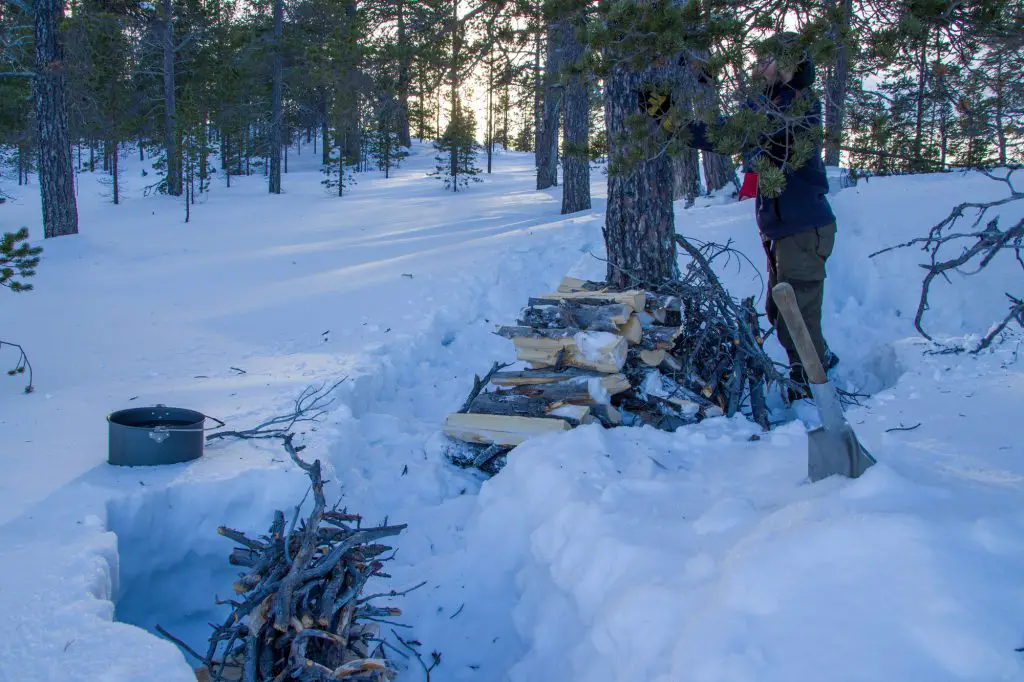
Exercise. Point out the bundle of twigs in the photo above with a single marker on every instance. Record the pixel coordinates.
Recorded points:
(721, 347)
(300, 616)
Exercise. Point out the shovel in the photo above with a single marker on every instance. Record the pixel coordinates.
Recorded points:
(832, 448)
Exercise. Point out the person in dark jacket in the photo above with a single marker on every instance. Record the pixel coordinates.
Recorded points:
(798, 227)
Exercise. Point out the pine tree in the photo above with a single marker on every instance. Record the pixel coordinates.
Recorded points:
(18, 260)
(457, 152)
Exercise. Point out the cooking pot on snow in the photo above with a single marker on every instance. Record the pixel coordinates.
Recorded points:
(148, 436)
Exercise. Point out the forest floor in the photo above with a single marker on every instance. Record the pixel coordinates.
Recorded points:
(594, 555)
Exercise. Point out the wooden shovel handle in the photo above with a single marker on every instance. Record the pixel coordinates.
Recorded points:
(785, 300)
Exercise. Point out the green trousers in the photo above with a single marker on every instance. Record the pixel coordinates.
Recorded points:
(800, 260)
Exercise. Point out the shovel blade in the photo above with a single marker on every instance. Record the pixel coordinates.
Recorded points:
(836, 451)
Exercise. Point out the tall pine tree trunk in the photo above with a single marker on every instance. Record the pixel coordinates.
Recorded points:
(576, 161)
(276, 114)
(490, 114)
(922, 75)
(115, 172)
(547, 148)
(170, 108)
(56, 175)
(719, 171)
(1000, 110)
(404, 135)
(686, 176)
(639, 229)
(537, 85)
(325, 145)
(837, 85)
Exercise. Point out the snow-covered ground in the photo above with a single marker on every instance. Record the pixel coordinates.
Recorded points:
(596, 555)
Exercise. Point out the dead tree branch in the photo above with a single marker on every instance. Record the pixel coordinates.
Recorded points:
(22, 366)
(310, 406)
(983, 246)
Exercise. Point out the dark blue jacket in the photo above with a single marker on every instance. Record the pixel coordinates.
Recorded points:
(803, 204)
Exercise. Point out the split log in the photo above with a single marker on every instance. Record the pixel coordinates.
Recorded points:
(501, 430)
(613, 383)
(632, 330)
(582, 390)
(573, 284)
(602, 351)
(659, 338)
(512, 403)
(566, 314)
(636, 300)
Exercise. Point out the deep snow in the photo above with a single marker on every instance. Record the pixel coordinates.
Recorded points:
(619, 555)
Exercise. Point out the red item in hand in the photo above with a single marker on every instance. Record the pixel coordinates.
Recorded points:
(749, 188)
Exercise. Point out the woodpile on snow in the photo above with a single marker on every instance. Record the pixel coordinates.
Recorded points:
(299, 614)
(663, 358)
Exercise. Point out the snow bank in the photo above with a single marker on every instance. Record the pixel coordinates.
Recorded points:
(702, 556)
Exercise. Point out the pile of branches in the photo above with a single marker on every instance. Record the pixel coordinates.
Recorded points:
(720, 349)
(300, 615)
(982, 246)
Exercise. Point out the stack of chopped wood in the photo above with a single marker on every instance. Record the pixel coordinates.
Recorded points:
(300, 615)
(665, 358)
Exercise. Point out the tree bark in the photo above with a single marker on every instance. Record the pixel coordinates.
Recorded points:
(325, 144)
(537, 85)
(170, 109)
(686, 176)
(115, 172)
(547, 148)
(404, 134)
(922, 73)
(56, 175)
(276, 113)
(1000, 89)
(837, 86)
(719, 170)
(576, 161)
(639, 229)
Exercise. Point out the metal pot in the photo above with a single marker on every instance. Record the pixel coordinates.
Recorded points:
(148, 436)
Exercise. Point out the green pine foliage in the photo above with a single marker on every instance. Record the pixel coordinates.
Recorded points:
(457, 151)
(18, 260)
(386, 150)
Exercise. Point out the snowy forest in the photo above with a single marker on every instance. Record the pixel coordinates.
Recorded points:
(511, 340)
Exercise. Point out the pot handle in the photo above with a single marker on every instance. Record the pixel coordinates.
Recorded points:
(219, 425)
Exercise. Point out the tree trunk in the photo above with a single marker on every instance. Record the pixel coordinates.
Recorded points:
(56, 175)
(404, 134)
(170, 110)
(490, 108)
(837, 85)
(115, 172)
(576, 161)
(639, 229)
(536, 94)
(922, 72)
(276, 114)
(547, 146)
(324, 134)
(719, 171)
(686, 176)
(1000, 107)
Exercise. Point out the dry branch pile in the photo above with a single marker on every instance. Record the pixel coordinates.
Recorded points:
(665, 357)
(300, 615)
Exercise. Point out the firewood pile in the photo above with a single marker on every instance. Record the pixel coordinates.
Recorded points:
(300, 615)
(663, 357)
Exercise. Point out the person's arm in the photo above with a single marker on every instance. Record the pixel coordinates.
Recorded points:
(789, 127)
(699, 136)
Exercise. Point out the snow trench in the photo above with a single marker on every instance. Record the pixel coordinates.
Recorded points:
(171, 561)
